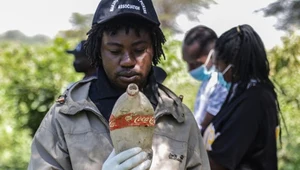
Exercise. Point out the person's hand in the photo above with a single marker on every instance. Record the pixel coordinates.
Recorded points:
(133, 158)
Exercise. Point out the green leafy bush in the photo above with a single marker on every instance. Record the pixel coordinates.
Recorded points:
(285, 64)
(31, 78)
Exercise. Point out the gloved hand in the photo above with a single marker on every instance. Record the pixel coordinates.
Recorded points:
(133, 158)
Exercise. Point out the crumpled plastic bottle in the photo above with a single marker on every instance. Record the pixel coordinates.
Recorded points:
(132, 121)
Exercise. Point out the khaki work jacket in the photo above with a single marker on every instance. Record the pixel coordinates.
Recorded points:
(75, 136)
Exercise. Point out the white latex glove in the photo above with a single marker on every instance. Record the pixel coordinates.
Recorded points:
(133, 158)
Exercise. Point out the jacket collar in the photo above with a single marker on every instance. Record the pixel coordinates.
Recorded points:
(77, 99)
(103, 83)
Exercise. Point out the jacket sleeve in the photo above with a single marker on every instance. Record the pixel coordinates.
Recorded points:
(197, 158)
(48, 149)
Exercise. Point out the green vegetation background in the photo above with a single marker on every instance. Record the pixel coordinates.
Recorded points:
(33, 75)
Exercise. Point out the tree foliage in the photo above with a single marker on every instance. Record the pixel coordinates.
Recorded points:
(81, 24)
(16, 35)
(14, 141)
(33, 77)
(168, 10)
(81, 21)
(287, 12)
(285, 64)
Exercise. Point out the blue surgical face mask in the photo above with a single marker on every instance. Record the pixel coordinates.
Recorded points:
(221, 79)
(202, 73)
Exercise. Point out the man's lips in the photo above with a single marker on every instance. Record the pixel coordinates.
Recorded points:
(128, 76)
(129, 79)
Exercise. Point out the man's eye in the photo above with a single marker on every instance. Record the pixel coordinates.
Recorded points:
(115, 52)
(139, 50)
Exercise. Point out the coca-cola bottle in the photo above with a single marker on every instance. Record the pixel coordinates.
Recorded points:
(132, 121)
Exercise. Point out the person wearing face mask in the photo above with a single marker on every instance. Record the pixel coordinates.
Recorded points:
(243, 135)
(221, 79)
(197, 52)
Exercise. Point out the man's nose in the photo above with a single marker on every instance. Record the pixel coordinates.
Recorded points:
(128, 60)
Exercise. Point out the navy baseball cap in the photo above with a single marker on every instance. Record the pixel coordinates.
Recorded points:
(109, 9)
(79, 49)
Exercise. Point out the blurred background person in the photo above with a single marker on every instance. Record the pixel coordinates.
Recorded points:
(197, 51)
(243, 134)
(81, 62)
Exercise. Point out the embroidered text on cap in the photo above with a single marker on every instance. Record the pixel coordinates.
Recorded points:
(128, 6)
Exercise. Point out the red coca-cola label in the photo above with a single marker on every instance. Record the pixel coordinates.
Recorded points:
(130, 119)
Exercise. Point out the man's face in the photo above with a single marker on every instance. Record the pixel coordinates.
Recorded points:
(127, 57)
(81, 63)
(190, 54)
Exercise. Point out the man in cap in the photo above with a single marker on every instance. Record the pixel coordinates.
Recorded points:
(81, 62)
(125, 41)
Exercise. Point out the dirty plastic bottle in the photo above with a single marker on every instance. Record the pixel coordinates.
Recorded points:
(132, 121)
